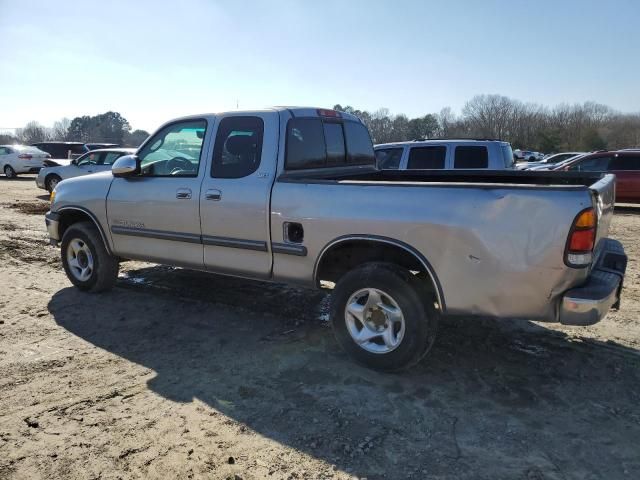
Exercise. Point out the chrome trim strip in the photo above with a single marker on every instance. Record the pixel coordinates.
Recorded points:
(159, 234)
(235, 243)
(255, 245)
(289, 249)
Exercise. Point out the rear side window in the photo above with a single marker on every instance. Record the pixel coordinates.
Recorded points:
(507, 155)
(389, 158)
(314, 143)
(238, 147)
(471, 157)
(626, 162)
(427, 157)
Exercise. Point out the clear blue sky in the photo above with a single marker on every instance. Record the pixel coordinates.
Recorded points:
(155, 60)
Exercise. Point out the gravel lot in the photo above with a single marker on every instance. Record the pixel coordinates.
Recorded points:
(178, 374)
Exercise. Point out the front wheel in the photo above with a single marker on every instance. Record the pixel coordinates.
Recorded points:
(51, 182)
(85, 258)
(383, 316)
(9, 172)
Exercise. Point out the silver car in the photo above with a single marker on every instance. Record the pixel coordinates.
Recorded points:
(91, 162)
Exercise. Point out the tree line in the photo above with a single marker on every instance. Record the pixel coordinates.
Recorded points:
(108, 127)
(581, 127)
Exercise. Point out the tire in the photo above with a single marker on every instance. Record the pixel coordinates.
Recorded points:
(397, 288)
(9, 172)
(95, 270)
(51, 181)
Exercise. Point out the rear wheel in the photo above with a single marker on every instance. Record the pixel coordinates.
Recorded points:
(383, 316)
(85, 258)
(51, 182)
(9, 172)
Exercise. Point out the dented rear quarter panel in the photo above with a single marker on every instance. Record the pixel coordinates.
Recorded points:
(496, 250)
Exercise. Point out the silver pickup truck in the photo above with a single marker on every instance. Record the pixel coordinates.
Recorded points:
(293, 195)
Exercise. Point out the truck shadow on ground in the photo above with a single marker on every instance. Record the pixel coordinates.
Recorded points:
(491, 400)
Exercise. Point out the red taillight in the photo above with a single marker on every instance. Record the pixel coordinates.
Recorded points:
(328, 113)
(25, 156)
(582, 238)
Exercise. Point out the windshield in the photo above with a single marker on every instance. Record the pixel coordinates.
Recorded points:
(507, 155)
(559, 165)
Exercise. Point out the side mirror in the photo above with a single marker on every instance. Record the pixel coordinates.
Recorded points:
(126, 166)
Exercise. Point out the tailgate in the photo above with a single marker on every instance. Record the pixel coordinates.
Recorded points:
(604, 195)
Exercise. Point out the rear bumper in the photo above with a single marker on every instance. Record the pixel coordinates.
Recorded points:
(52, 221)
(589, 303)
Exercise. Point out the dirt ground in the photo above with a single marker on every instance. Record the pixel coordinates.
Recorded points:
(176, 374)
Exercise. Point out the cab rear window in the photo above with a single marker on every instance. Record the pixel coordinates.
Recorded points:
(317, 143)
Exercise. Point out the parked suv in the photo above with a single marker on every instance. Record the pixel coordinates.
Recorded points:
(625, 164)
(66, 150)
(444, 154)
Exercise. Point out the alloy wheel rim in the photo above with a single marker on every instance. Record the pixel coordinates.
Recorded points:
(80, 259)
(374, 320)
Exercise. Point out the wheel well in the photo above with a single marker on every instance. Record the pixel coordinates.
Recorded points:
(49, 175)
(71, 216)
(346, 255)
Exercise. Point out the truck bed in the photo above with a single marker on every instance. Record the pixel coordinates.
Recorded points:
(492, 177)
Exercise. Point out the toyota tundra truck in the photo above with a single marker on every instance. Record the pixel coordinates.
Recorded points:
(293, 195)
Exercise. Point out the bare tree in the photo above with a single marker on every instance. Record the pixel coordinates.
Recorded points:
(60, 130)
(32, 132)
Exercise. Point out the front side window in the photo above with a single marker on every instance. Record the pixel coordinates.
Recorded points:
(427, 158)
(3, 151)
(174, 151)
(238, 147)
(471, 157)
(389, 158)
(597, 164)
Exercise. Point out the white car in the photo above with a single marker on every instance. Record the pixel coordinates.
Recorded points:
(91, 162)
(15, 159)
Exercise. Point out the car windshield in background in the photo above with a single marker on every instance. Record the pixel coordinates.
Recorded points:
(389, 158)
(507, 155)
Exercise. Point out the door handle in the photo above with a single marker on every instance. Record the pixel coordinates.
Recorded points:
(214, 195)
(183, 193)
